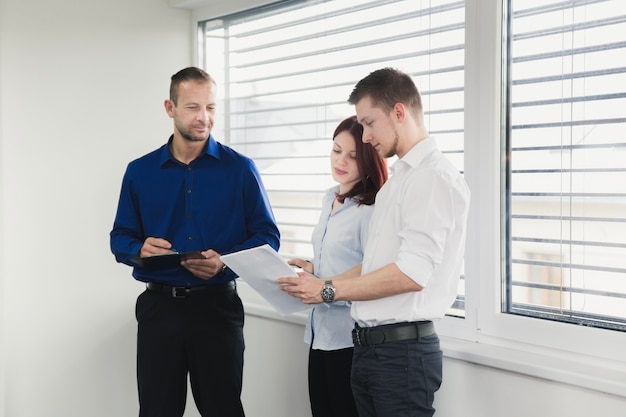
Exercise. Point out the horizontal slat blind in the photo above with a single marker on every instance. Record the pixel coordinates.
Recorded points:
(566, 189)
(287, 71)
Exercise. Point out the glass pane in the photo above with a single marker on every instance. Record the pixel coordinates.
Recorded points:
(566, 196)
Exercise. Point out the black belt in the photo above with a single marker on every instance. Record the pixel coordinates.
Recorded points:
(183, 292)
(366, 336)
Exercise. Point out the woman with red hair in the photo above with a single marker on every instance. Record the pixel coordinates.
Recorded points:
(338, 242)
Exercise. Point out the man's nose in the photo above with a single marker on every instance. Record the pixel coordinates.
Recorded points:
(203, 115)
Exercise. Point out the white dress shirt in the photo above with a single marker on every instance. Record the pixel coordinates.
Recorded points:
(419, 223)
(338, 241)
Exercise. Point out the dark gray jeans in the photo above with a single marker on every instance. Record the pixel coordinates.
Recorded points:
(397, 379)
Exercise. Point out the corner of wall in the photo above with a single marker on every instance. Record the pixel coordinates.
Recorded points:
(2, 234)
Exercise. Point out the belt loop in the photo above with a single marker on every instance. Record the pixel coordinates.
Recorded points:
(426, 328)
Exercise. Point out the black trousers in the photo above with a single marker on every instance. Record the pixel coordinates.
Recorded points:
(200, 336)
(329, 383)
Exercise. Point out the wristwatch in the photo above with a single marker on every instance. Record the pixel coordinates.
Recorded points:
(328, 292)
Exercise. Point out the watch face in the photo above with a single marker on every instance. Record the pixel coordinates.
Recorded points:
(328, 294)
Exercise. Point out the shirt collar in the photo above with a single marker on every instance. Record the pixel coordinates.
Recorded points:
(416, 154)
(211, 149)
(332, 192)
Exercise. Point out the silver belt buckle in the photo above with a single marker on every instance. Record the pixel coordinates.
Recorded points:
(175, 292)
(358, 337)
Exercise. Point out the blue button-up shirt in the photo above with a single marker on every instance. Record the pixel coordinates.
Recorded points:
(216, 202)
(338, 244)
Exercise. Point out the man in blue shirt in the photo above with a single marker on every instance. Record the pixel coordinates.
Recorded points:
(192, 194)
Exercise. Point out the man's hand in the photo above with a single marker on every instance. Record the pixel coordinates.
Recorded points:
(205, 268)
(155, 246)
(306, 287)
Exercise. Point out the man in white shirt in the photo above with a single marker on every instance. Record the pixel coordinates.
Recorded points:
(412, 259)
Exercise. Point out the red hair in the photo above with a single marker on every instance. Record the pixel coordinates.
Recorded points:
(372, 168)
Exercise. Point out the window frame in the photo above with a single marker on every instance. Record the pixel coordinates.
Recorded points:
(578, 355)
(587, 357)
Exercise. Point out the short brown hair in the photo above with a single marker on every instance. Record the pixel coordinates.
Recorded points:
(386, 87)
(186, 74)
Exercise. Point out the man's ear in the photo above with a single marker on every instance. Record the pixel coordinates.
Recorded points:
(169, 107)
(399, 112)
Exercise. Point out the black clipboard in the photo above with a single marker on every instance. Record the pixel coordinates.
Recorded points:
(165, 261)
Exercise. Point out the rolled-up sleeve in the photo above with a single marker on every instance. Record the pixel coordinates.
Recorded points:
(426, 209)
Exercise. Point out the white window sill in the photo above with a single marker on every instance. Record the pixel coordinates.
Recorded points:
(594, 374)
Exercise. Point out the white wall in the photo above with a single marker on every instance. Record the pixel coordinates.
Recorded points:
(82, 84)
(470, 390)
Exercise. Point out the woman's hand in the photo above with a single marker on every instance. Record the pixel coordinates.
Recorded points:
(306, 266)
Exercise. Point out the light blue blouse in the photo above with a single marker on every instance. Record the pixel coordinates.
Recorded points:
(338, 243)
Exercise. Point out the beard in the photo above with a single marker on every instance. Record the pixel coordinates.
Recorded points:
(189, 136)
(393, 151)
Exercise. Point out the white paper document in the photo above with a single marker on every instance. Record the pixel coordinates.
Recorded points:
(260, 267)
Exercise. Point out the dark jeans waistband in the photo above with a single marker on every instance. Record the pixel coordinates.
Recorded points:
(183, 292)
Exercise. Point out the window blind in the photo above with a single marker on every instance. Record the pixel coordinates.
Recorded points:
(287, 71)
(565, 196)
